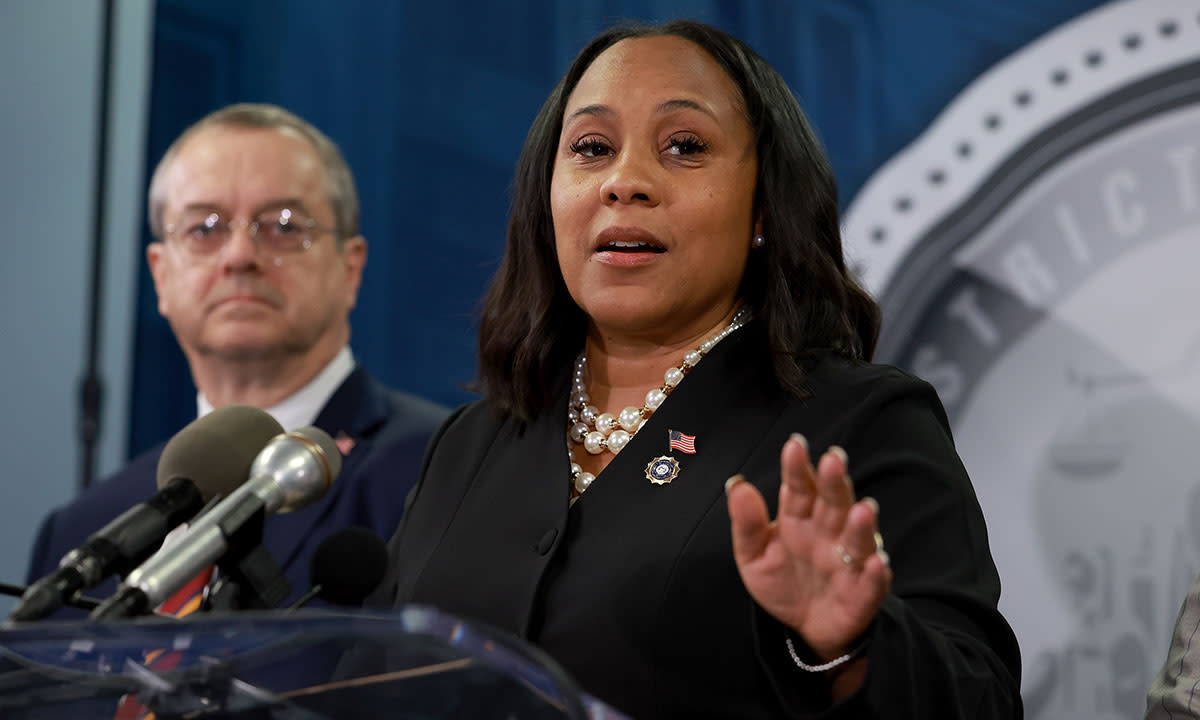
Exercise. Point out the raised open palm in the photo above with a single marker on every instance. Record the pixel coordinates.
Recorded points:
(819, 567)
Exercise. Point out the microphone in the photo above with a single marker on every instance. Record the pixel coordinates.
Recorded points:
(83, 602)
(293, 470)
(346, 567)
(211, 456)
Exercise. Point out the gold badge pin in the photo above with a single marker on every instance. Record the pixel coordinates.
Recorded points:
(662, 470)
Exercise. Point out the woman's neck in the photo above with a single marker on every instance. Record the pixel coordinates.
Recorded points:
(623, 368)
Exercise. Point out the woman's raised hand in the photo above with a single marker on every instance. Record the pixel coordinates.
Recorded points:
(819, 567)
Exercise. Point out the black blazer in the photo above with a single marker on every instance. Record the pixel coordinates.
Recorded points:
(390, 431)
(634, 589)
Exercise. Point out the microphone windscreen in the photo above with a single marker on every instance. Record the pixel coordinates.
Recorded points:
(215, 452)
(348, 565)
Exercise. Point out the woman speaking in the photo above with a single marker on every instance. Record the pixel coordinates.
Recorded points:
(684, 471)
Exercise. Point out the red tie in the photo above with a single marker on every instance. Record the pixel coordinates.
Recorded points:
(185, 601)
(188, 598)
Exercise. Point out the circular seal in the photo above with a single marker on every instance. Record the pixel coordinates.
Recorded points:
(662, 470)
(1041, 275)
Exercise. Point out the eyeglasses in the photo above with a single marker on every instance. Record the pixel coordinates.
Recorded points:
(201, 235)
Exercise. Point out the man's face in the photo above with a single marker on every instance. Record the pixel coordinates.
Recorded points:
(243, 302)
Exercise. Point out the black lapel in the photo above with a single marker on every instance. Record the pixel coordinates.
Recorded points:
(727, 402)
(508, 525)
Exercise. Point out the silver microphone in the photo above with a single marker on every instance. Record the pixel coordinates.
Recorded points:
(208, 458)
(293, 470)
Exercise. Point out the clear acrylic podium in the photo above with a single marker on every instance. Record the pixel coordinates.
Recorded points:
(411, 664)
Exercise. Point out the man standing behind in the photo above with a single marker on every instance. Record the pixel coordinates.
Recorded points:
(257, 265)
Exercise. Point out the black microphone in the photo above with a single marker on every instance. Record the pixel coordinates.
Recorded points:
(346, 567)
(208, 458)
(293, 470)
(83, 602)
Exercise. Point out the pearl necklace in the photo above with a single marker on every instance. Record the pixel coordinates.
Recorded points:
(598, 431)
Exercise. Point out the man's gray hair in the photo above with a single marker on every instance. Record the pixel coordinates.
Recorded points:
(339, 183)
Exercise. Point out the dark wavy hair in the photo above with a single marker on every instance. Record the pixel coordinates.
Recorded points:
(803, 298)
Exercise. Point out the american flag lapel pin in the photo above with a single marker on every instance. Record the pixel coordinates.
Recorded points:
(682, 442)
(665, 468)
(344, 442)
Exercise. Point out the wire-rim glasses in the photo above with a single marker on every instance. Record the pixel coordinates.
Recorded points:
(200, 234)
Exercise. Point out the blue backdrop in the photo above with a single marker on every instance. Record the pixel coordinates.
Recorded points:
(430, 103)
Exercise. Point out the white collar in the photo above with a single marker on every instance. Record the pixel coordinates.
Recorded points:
(302, 407)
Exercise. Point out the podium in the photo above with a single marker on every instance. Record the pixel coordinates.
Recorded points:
(410, 664)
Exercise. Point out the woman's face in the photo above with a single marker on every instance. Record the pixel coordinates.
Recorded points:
(653, 190)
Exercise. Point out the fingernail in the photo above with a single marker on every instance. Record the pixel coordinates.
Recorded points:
(874, 505)
(797, 437)
(837, 450)
(733, 481)
(887, 559)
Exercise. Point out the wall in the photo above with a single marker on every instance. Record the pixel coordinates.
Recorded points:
(49, 55)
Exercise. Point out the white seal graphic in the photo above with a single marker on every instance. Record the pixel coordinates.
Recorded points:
(1037, 254)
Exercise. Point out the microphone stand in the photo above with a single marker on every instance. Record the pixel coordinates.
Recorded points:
(81, 602)
(248, 577)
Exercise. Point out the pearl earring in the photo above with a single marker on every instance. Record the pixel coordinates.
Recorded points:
(758, 241)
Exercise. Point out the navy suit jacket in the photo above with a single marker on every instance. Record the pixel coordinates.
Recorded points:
(390, 431)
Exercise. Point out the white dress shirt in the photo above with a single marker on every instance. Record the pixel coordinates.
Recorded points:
(302, 407)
